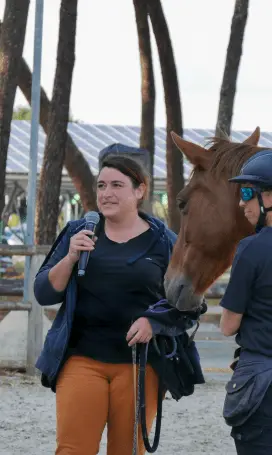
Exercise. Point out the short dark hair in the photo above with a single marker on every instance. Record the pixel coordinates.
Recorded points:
(129, 167)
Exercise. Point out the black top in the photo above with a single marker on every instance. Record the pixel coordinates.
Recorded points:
(249, 292)
(119, 285)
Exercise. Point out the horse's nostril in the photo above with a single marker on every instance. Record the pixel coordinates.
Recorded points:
(180, 293)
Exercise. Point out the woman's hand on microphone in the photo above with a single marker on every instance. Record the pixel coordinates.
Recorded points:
(139, 332)
(80, 242)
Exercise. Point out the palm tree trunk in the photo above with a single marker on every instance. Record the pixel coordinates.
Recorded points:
(77, 166)
(175, 179)
(11, 49)
(148, 86)
(54, 154)
(233, 57)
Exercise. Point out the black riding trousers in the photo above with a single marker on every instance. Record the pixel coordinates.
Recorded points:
(254, 437)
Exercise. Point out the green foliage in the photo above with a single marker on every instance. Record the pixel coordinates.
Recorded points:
(22, 113)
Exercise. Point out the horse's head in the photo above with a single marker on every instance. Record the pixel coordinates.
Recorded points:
(211, 221)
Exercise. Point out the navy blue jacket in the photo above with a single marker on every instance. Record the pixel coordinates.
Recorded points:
(56, 342)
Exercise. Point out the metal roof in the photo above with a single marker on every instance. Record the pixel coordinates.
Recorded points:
(90, 139)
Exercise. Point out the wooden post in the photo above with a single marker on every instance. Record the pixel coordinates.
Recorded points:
(35, 319)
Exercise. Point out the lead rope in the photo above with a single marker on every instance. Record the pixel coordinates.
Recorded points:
(136, 400)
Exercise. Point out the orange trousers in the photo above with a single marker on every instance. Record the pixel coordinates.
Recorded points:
(92, 394)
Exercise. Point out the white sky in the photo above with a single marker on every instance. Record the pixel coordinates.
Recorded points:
(106, 81)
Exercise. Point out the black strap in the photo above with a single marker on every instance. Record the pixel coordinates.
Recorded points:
(262, 217)
(143, 357)
(263, 212)
(159, 344)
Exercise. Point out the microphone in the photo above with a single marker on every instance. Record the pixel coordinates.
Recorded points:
(92, 219)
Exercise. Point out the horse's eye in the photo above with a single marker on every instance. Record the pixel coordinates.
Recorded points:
(183, 206)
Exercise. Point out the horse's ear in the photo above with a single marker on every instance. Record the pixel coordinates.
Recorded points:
(196, 154)
(254, 138)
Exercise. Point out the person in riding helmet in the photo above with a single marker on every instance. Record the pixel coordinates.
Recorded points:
(247, 313)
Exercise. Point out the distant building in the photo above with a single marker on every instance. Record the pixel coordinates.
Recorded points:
(91, 139)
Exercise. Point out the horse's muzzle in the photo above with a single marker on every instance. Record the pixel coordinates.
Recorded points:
(180, 293)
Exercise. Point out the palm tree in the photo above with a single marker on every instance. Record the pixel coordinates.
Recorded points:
(78, 168)
(233, 57)
(148, 85)
(54, 154)
(175, 179)
(11, 49)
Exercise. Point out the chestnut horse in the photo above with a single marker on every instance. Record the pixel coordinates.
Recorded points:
(212, 223)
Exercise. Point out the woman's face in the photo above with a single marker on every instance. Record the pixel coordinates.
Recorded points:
(116, 196)
(252, 207)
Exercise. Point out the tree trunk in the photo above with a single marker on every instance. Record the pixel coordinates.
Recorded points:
(54, 154)
(11, 49)
(233, 57)
(77, 166)
(174, 160)
(148, 86)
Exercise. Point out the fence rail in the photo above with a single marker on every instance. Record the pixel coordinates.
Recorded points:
(35, 311)
(23, 250)
(12, 287)
(15, 306)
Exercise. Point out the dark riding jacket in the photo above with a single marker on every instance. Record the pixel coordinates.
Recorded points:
(52, 356)
(249, 293)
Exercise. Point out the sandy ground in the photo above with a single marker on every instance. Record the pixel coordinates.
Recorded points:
(192, 426)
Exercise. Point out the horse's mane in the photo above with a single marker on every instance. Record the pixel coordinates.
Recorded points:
(229, 157)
